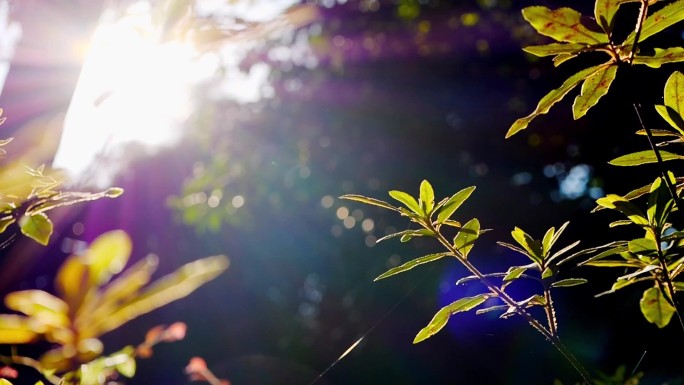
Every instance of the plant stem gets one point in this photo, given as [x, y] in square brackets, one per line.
[670, 292]
[552, 338]
[550, 312]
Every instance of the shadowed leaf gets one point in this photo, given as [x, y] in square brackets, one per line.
[671, 117]
[411, 264]
[466, 237]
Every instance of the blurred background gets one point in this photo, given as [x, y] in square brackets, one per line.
[234, 126]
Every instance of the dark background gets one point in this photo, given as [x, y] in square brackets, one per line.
[300, 288]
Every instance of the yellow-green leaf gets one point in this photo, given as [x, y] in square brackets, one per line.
[167, 289]
[427, 196]
[593, 89]
[552, 98]
[533, 248]
[107, 255]
[661, 56]
[43, 306]
[604, 11]
[569, 282]
[442, 317]
[674, 92]
[643, 157]
[411, 264]
[71, 281]
[563, 24]
[466, 237]
[37, 227]
[370, 201]
[655, 307]
[454, 203]
[16, 329]
[658, 21]
[407, 200]
[672, 117]
[554, 49]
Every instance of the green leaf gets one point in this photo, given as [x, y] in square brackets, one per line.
[658, 21]
[660, 57]
[643, 157]
[674, 92]
[407, 235]
[554, 49]
[370, 201]
[660, 203]
[624, 206]
[16, 329]
[427, 197]
[4, 381]
[552, 98]
[107, 255]
[547, 241]
[113, 192]
[411, 264]
[514, 272]
[655, 307]
[37, 227]
[167, 289]
[642, 246]
[593, 89]
[407, 200]
[671, 117]
[563, 24]
[466, 237]
[5, 222]
[562, 58]
[42, 306]
[604, 11]
[533, 249]
[454, 203]
[569, 282]
[442, 317]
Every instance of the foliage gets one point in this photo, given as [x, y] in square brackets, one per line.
[95, 295]
[654, 257]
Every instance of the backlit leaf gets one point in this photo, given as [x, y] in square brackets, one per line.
[442, 317]
[407, 233]
[407, 200]
[604, 11]
[671, 117]
[563, 24]
[562, 58]
[16, 329]
[514, 272]
[659, 20]
[595, 87]
[45, 307]
[427, 196]
[107, 255]
[167, 289]
[569, 282]
[554, 49]
[71, 281]
[546, 241]
[643, 157]
[655, 307]
[466, 237]
[411, 264]
[37, 227]
[674, 91]
[661, 56]
[532, 248]
[552, 98]
[454, 203]
[642, 246]
[627, 208]
[370, 201]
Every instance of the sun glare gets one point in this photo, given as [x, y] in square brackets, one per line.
[131, 89]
